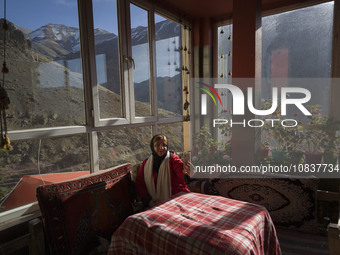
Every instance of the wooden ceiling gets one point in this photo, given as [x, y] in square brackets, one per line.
[218, 8]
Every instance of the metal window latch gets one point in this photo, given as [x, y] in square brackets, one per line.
[133, 63]
[130, 60]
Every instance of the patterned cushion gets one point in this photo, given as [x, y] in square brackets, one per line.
[75, 212]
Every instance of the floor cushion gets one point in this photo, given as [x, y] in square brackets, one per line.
[77, 212]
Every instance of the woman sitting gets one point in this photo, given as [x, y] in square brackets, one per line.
[161, 175]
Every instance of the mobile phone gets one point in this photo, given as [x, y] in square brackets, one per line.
[186, 157]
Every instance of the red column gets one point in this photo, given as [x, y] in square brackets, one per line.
[247, 37]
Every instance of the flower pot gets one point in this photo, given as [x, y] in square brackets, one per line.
[329, 158]
[295, 156]
[278, 156]
[264, 152]
[313, 157]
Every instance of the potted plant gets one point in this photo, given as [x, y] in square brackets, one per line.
[208, 151]
[331, 141]
[337, 145]
[265, 150]
[295, 137]
[315, 136]
[274, 134]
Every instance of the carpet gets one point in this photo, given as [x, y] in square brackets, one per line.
[290, 202]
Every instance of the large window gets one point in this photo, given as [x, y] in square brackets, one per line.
[224, 65]
[141, 60]
[297, 45]
[296, 52]
[45, 82]
[84, 91]
[106, 39]
[169, 67]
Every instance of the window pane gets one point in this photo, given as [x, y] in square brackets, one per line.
[169, 67]
[174, 134]
[44, 83]
[124, 145]
[298, 44]
[224, 66]
[297, 52]
[224, 75]
[107, 58]
[32, 162]
[140, 55]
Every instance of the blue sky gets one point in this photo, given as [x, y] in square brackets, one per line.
[33, 14]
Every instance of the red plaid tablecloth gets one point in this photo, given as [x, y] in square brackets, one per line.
[194, 223]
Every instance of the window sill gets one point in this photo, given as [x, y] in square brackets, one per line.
[19, 215]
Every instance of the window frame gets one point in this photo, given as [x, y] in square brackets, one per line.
[93, 122]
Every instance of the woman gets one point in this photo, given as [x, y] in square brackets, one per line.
[161, 175]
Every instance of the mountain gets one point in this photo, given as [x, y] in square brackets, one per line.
[16, 39]
[101, 35]
[26, 31]
[62, 44]
[57, 41]
[163, 30]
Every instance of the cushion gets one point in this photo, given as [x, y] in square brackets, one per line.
[77, 211]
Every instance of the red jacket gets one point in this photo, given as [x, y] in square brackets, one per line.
[176, 174]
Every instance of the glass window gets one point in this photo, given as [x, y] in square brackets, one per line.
[36, 162]
[224, 61]
[44, 83]
[107, 58]
[224, 76]
[224, 66]
[124, 145]
[169, 67]
[141, 60]
[298, 45]
[297, 52]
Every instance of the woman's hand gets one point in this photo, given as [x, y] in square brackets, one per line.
[186, 167]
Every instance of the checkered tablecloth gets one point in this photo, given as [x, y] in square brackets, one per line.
[194, 223]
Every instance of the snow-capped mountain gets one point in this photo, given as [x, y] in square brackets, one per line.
[67, 37]
[55, 36]
[55, 40]
[62, 44]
